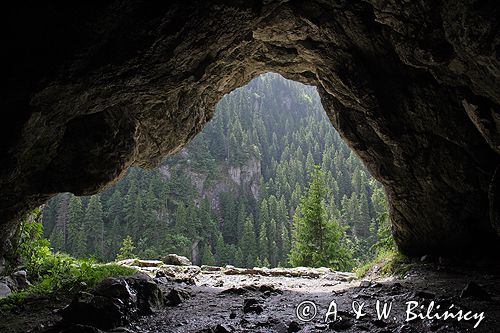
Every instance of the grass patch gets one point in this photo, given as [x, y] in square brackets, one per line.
[386, 263]
[61, 274]
[53, 273]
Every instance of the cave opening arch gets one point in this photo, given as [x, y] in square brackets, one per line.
[417, 105]
[255, 158]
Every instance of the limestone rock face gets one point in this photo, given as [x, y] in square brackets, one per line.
[412, 86]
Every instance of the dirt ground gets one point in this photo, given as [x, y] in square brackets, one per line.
[221, 301]
[243, 303]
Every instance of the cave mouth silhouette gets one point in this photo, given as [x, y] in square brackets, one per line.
[215, 166]
[96, 88]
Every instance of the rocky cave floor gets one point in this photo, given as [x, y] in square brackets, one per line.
[229, 299]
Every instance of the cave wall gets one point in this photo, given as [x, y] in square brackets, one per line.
[412, 86]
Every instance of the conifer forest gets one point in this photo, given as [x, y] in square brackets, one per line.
[241, 193]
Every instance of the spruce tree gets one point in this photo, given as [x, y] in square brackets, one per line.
[127, 249]
[207, 257]
[248, 244]
[317, 241]
[75, 225]
[94, 227]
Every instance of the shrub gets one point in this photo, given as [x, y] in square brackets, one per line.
[51, 272]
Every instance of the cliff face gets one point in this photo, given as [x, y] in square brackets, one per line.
[226, 178]
[412, 86]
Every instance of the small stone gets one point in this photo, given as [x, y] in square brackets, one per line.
[185, 280]
[10, 282]
[341, 325]
[207, 268]
[364, 284]
[148, 263]
[293, 327]
[232, 315]
[252, 305]
[235, 291]
[269, 288]
[321, 326]
[162, 280]
[222, 328]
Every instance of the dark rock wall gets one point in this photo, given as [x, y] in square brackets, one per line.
[412, 86]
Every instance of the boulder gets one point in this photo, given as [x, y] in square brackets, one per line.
[96, 311]
[115, 288]
[2, 265]
[207, 268]
[4, 290]
[149, 295]
[21, 279]
[174, 259]
[10, 282]
[148, 263]
[176, 297]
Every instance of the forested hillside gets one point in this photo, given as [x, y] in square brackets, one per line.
[229, 197]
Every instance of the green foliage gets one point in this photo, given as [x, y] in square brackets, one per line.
[249, 244]
[257, 148]
[207, 257]
[385, 241]
[387, 260]
[30, 246]
[317, 240]
[60, 273]
[127, 249]
[50, 272]
[12, 301]
[386, 263]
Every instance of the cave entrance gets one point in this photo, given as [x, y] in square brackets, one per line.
[231, 195]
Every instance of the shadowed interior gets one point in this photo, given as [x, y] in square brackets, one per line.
[412, 87]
